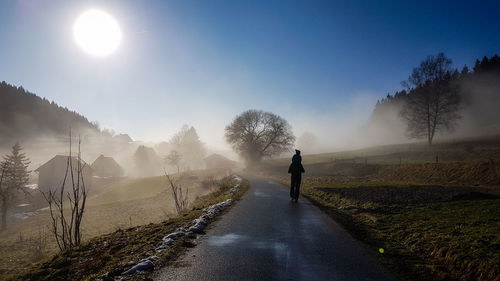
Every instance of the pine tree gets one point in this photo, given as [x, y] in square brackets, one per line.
[13, 178]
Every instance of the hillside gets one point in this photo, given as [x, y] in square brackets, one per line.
[479, 91]
[424, 219]
[128, 203]
[26, 116]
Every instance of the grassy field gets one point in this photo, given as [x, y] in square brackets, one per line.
[129, 203]
[424, 220]
[464, 150]
[426, 238]
[114, 252]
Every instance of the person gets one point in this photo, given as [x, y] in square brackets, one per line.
[296, 157]
[296, 169]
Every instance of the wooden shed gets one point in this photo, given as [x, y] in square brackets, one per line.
[106, 167]
[217, 161]
[51, 174]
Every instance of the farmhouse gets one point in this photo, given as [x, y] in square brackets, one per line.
[51, 174]
[217, 161]
[106, 167]
[147, 162]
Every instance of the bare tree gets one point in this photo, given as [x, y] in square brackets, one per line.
[174, 159]
[433, 100]
[14, 176]
[66, 223]
[255, 134]
[180, 199]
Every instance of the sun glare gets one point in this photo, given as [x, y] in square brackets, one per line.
[97, 33]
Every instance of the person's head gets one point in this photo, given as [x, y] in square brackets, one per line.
[297, 151]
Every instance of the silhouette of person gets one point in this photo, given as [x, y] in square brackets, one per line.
[296, 169]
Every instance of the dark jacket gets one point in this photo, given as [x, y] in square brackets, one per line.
[296, 169]
[297, 158]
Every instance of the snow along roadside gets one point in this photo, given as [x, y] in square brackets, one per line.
[197, 226]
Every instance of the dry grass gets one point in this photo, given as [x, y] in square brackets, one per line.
[114, 252]
[436, 221]
[129, 203]
[426, 240]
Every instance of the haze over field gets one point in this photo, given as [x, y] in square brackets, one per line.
[128, 127]
[322, 65]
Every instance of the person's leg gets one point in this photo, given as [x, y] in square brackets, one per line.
[292, 193]
[297, 190]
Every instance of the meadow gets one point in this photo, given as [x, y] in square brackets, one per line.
[107, 256]
[425, 220]
[128, 203]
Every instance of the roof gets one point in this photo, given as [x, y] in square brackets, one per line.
[105, 160]
[219, 159]
[108, 164]
[61, 160]
[149, 152]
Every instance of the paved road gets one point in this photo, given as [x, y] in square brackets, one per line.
[267, 237]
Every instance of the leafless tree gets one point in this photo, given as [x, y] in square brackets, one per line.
[255, 134]
[433, 100]
[66, 223]
[180, 198]
[174, 159]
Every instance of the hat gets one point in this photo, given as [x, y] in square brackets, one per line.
[297, 151]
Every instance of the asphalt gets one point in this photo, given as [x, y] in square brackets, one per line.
[265, 236]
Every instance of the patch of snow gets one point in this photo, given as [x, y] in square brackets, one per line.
[23, 216]
[31, 186]
[197, 226]
[238, 179]
[147, 264]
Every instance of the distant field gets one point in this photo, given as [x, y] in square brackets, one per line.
[435, 221]
[465, 150]
[130, 202]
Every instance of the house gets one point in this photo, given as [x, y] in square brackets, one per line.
[217, 161]
[106, 167]
[51, 174]
[147, 162]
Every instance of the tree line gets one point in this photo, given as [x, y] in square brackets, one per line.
[434, 94]
[24, 115]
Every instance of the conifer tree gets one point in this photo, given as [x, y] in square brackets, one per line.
[14, 176]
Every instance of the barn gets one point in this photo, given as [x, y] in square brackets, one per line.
[106, 167]
[51, 174]
[147, 162]
[217, 161]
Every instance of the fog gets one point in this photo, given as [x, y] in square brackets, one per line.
[480, 108]
[348, 125]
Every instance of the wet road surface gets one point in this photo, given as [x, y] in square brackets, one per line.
[267, 237]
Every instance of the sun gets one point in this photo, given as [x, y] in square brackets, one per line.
[97, 33]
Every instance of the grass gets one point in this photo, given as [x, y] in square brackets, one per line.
[113, 253]
[463, 150]
[461, 236]
[435, 221]
[452, 240]
[130, 189]
[125, 204]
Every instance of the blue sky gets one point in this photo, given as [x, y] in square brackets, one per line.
[320, 64]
